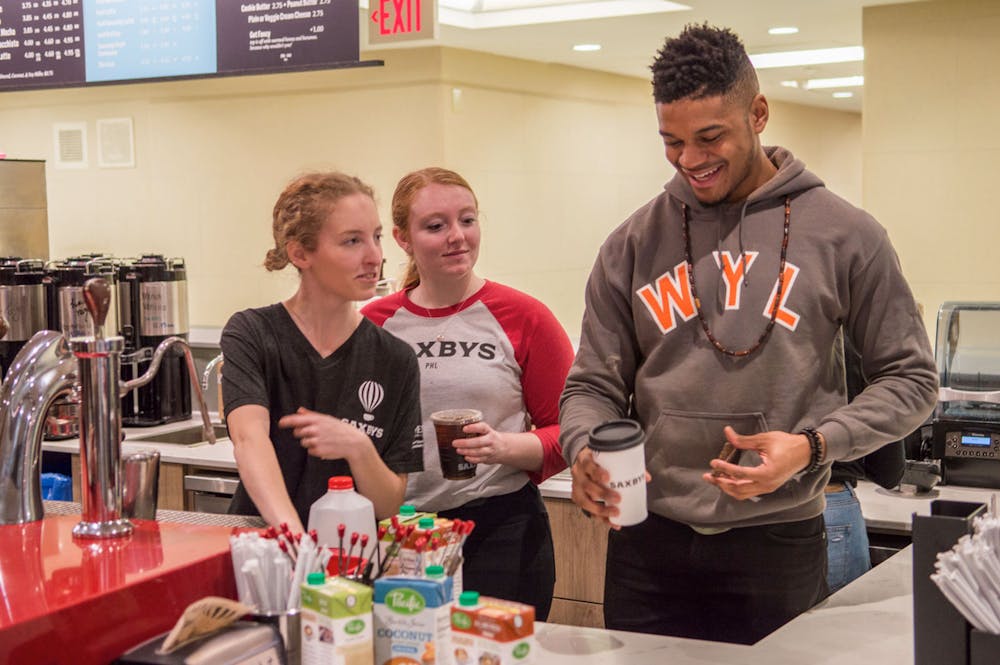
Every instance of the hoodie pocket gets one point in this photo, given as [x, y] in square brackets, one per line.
[691, 439]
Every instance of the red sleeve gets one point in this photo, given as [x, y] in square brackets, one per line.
[377, 311]
[544, 353]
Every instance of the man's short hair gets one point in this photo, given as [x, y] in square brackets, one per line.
[703, 61]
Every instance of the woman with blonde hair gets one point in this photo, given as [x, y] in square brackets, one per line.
[311, 388]
[485, 346]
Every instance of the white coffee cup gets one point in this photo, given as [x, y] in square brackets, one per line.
[618, 446]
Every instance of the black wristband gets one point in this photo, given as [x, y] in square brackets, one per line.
[815, 449]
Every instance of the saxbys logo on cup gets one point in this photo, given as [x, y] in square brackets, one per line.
[618, 447]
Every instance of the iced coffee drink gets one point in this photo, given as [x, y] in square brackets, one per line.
[448, 427]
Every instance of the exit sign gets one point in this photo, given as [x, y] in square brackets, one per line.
[401, 20]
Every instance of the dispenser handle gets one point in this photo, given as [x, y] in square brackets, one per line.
[154, 366]
[97, 297]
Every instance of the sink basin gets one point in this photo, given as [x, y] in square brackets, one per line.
[189, 436]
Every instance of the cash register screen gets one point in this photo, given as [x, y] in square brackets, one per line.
[976, 440]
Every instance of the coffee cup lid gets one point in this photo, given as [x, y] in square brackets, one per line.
[616, 435]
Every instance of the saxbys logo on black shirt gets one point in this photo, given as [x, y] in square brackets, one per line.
[370, 394]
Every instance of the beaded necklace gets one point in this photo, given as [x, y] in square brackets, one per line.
[777, 297]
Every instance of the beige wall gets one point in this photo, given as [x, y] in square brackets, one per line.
[559, 156]
[932, 143]
[828, 141]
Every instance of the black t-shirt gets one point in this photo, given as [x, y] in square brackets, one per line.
[372, 382]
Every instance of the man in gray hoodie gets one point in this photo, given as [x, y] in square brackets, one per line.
[714, 315]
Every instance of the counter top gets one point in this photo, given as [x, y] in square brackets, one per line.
[214, 456]
[888, 511]
[87, 600]
[891, 511]
[868, 621]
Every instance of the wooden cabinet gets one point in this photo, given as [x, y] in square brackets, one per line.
[581, 545]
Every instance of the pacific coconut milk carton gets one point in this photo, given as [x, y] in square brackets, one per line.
[491, 631]
[413, 619]
[336, 618]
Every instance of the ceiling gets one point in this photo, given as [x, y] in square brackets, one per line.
[628, 43]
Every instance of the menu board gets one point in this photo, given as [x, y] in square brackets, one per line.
[55, 43]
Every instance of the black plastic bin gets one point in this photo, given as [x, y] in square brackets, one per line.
[941, 635]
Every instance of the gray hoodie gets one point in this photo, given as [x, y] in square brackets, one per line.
[643, 353]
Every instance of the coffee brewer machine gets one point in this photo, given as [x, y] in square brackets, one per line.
[153, 305]
[22, 305]
[67, 313]
[966, 426]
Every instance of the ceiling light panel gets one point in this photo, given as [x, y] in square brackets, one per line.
[477, 14]
[841, 82]
[810, 57]
[785, 30]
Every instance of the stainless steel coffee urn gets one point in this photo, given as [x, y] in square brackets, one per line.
[22, 305]
[67, 309]
[153, 305]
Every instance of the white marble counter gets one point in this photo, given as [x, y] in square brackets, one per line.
[868, 621]
[559, 486]
[213, 456]
[892, 511]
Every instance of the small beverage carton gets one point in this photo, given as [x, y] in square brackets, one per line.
[409, 561]
[337, 625]
[412, 619]
[490, 631]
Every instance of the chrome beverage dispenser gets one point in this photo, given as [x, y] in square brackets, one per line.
[67, 313]
[153, 305]
[22, 305]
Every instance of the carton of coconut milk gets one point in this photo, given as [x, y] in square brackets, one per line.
[413, 619]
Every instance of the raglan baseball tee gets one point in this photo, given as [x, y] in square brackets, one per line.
[501, 352]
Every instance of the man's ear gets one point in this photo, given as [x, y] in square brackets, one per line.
[759, 113]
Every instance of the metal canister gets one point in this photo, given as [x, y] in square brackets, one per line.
[67, 312]
[22, 305]
[153, 301]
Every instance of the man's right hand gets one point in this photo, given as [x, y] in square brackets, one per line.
[590, 488]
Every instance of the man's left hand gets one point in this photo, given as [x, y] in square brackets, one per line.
[782, 456]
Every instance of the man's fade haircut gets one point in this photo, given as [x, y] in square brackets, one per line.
[703, 61]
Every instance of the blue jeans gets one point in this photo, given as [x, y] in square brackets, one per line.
[846, 539]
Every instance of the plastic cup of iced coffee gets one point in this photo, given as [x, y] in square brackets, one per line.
[448, 426]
